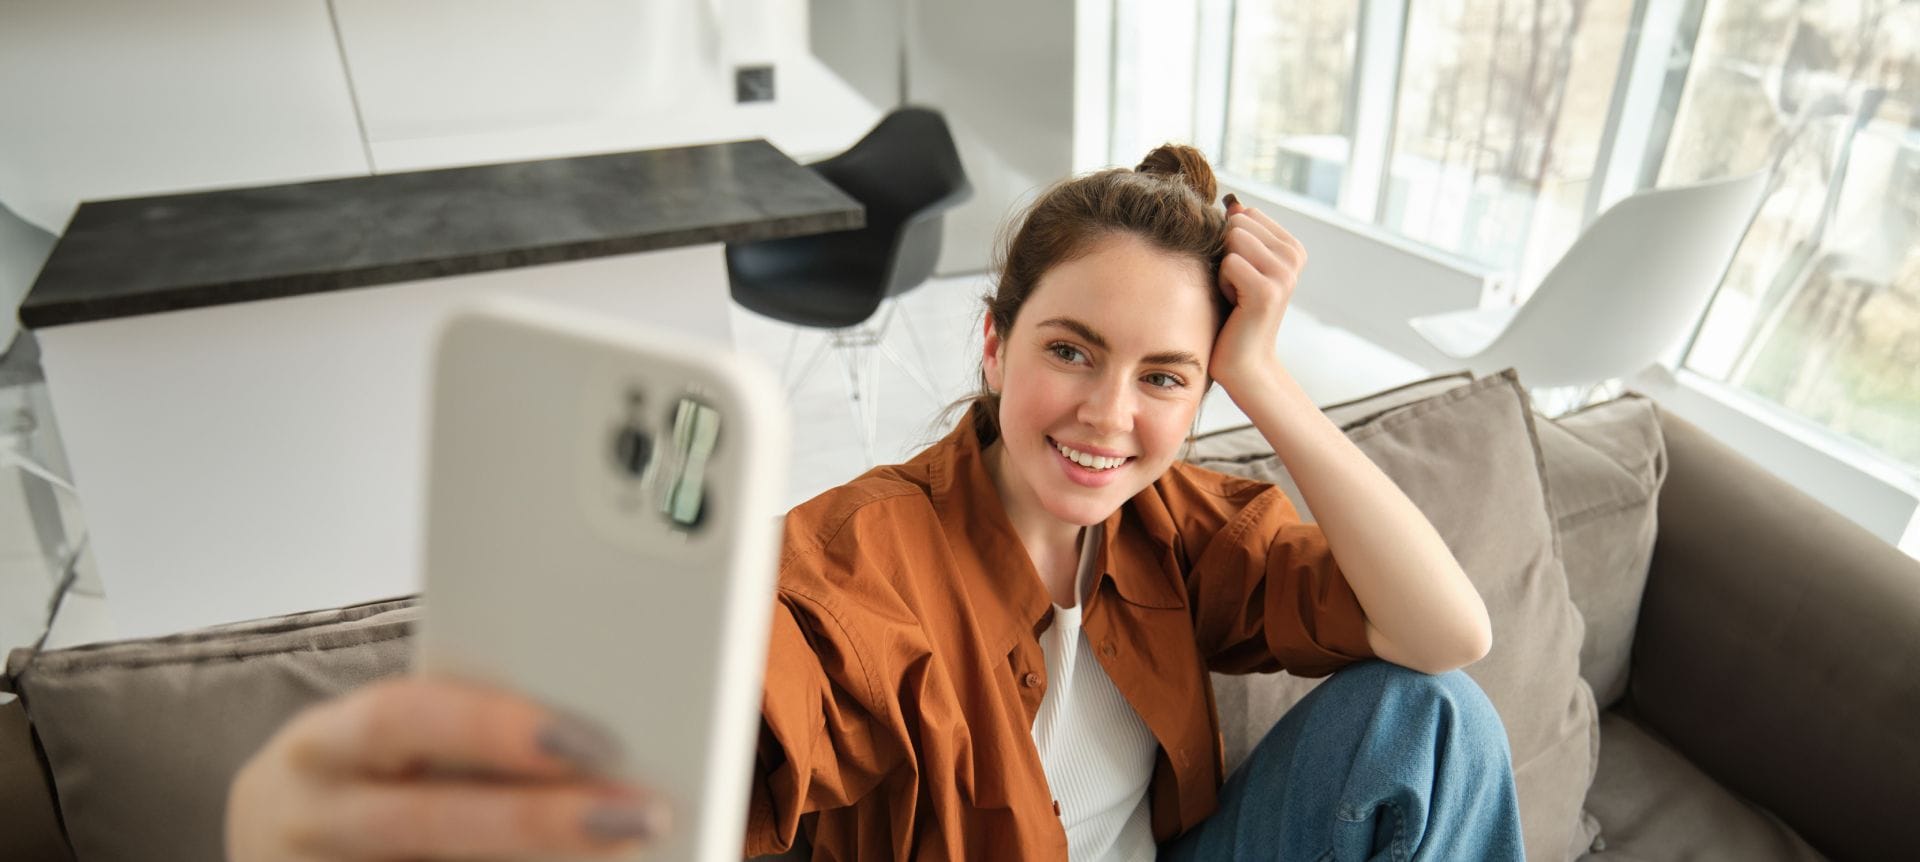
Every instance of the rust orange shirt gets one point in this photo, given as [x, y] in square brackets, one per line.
[905, 666]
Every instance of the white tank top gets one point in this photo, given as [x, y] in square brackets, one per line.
[1097, 753]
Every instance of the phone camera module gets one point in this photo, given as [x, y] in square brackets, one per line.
[633, 450]
[696, 434]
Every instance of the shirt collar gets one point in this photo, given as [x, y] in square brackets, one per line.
[1010, 598]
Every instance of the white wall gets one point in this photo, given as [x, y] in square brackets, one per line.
[860, 40]
[1003, 73]
[453, 82]
[114, 98]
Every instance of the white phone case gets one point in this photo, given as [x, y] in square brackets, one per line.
[553, 570]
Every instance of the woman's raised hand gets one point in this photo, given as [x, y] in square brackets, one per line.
[1258, 274]
[422, 767]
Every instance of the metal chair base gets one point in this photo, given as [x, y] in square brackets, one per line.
[857, 346]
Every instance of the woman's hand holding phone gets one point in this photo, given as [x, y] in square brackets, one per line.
[1261, 268]
[429, 767]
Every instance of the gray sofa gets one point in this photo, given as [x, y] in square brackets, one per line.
[1692, 659]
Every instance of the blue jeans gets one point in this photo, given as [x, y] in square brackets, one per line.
[1378, 762]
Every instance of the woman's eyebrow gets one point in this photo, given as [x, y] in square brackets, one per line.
[1077, 328]
[1165, 357]
[1172, 357]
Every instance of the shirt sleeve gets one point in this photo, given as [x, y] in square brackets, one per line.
[831, 728]
[1265, 591]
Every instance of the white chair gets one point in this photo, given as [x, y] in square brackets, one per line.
[1631, 286]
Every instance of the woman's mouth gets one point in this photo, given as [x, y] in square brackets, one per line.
[1086, 468]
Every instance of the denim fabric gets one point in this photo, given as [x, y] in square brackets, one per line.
[1379, 762]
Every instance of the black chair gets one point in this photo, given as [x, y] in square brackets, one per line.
[907, 174]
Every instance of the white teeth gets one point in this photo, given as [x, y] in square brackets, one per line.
[1092, 462]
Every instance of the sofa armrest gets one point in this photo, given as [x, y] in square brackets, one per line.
[1778, 648]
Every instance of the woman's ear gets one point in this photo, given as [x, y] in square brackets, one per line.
[993, 355]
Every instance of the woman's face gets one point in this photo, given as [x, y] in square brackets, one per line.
[1100, 378]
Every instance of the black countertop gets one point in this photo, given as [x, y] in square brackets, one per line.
[120, 258]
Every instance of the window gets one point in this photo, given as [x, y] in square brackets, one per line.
[1494, 129]
[1820, 311]
[1156, 83]
[1502, 108]
[1288, 120]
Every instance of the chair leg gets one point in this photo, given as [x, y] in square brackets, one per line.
[870, 396]
[859, 396]
[786, 365]
[913, 335]
[890, 308]
[918, 378]
[826, 344]
[858, 349]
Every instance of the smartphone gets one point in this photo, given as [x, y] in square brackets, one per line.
[600, 536]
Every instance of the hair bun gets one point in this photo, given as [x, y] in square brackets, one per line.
[1184, 163]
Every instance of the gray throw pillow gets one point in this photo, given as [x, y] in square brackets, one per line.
[1605, 466]
[142, 737]
[1468, 458]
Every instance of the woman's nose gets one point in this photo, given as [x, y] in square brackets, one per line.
[1108, 408]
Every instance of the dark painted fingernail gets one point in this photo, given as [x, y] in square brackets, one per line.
[579, 742]
[1231, 201]
[626, 822]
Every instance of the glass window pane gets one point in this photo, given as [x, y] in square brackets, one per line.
[1153, 76]
[1288, 94]
[1501, 113]
[1820, 310]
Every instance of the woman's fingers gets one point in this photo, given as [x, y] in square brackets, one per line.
[476, 820]
[417, 724]
[1282, 233]
[425, 767]
[1270, 235]
[1258, 252]
[1234, 272]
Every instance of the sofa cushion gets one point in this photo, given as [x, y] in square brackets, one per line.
[1605, 465]
[143, 737]
[1468, 458]
[1654, 805]
[1243, 444]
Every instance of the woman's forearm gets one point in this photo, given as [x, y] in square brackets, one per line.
[1422, 612]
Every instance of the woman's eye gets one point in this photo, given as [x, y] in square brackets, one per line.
[1163, 380]
[1066, 352]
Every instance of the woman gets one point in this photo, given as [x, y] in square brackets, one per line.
[999, 650]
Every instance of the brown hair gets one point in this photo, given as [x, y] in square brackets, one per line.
[1168, 200]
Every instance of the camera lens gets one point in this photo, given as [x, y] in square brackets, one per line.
[633, 450]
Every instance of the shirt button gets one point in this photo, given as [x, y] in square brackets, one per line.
[1056, 808]
[1107, 649]
[1031, 680]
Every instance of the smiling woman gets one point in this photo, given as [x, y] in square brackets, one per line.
[1098, 383]
[1000, 649]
